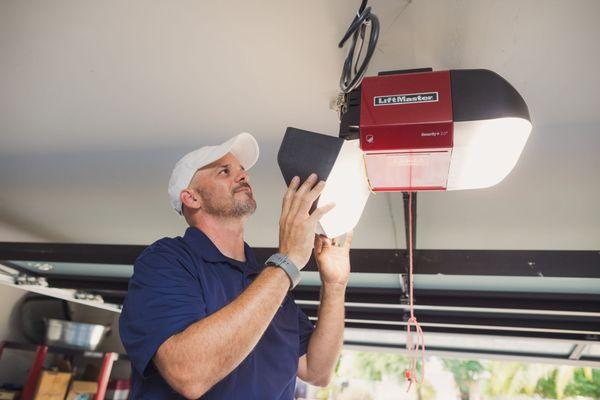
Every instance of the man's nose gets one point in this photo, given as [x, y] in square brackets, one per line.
[242, 176]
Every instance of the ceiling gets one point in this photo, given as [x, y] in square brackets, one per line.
[99, 99]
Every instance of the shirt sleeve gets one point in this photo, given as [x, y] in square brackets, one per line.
[305, 330]
[164, 297]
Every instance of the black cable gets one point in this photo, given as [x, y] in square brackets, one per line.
[349, 80]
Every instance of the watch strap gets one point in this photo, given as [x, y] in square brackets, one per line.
[283, 262]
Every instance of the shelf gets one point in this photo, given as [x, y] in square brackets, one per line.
[41, 351]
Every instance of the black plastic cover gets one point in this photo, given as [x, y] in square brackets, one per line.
[303, 152]
[479, 94]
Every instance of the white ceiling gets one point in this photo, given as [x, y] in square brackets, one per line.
[99, 99]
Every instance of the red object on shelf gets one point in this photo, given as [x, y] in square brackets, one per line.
[34, 372]
[42, 351]
[118, 389]
[107, 364]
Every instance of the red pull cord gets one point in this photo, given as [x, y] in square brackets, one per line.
[413, 347]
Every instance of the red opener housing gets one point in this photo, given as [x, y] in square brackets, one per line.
[406, 130]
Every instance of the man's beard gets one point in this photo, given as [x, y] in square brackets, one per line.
[235, 208]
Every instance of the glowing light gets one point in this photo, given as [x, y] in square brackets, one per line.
[347, 187]
[485, 152]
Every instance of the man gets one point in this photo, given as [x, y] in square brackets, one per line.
[203, 319]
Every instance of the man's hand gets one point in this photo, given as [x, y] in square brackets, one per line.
[325, 344]
[333, 259]
[296, 225]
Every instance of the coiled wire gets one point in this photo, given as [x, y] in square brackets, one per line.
[352, 75]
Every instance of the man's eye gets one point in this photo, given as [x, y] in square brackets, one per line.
[226, 171]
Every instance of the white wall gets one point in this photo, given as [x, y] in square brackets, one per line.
[12, 233]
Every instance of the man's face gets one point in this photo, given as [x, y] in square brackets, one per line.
[224, 188]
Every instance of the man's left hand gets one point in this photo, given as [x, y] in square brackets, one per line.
[333, 259]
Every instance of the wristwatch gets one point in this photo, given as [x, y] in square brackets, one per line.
[281, 261]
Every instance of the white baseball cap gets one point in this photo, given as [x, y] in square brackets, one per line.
[243, 146]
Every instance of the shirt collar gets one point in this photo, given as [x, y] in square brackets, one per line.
[208, 251]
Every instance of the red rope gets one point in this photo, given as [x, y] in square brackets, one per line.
[413, 347]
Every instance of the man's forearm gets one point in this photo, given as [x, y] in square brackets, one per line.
[327, 339]
[204, 353]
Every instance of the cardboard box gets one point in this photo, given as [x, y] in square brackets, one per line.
[9, 394]
[82, 390]
[52, 385]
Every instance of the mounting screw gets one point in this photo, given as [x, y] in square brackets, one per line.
[531, 263]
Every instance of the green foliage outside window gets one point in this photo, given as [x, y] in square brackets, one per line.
[496, 379]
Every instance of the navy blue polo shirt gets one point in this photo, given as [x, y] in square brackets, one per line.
[178, 281]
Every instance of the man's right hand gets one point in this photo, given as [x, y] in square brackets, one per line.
[296, 225]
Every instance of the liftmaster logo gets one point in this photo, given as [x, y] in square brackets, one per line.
[412, 98]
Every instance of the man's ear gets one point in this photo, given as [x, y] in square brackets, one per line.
[190, 198]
